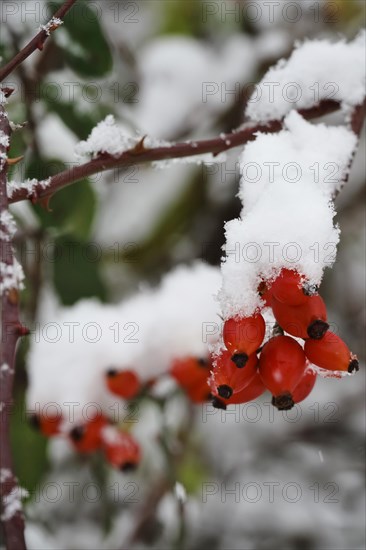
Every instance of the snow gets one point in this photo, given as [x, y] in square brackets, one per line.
[3, 99]
[72, 348]
[301, 154]
[12, 276]
[287, 216]
[4, 139]
[52, 25]
[29, 185]
[9, 226]
[108, 138]
[5, 474]
[316, 70]
[180, 493]
[4, 368]
[12, 503]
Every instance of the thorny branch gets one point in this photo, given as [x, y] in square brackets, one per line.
[11, 330]
[140, 154]
[37, 42]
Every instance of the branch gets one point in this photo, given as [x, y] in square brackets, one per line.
[11, 328]
[37, 42]
[356, 123]
[139, 154]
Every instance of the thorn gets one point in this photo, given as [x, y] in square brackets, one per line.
[14, 126]
[22, 330]
[15, 160]
[7, 91]
[13, 296]
[45, 203]
[139, 147]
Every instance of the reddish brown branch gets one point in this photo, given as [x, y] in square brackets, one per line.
[36, 42]
[177, 150]
[12, 518]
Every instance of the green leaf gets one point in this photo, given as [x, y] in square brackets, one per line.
[72, 209]
[76, 270]
[88, 52]
[27, 442]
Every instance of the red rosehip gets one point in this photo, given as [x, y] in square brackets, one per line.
[192, 373]
[226, 379]
[48, 425]
[305, 386]
[243, 336]
[288, 288]
[309, 320]
[254, 389]
[331, 353]
[120, 449]
[265, 292]
[281, 366]
[87, 437]
[124, 383]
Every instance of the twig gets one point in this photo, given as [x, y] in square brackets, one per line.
[11, 329]
[36, 43]
[356, 123]
[177, 150]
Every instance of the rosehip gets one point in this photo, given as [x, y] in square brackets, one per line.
[331, 353]
[226, 379]
[87, 437]
[254, 389]
[281, 365]
[306, 321]
[120, 449]
[305, 386]
[288, 288]
[47, 424]
[265, 293]
[191, 373]
[243, 336]
[124, 383]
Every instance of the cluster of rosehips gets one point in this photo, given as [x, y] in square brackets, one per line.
[247, 368]
[244, 370]
[119, 447]
[239, 373]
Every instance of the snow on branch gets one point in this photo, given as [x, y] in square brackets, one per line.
[317, 70]
[149, 150]
[38, 41]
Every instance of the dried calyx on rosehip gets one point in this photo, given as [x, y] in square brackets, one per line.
[254, 389]
[226, 379]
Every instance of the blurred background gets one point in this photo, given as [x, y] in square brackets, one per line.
[255, 478]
